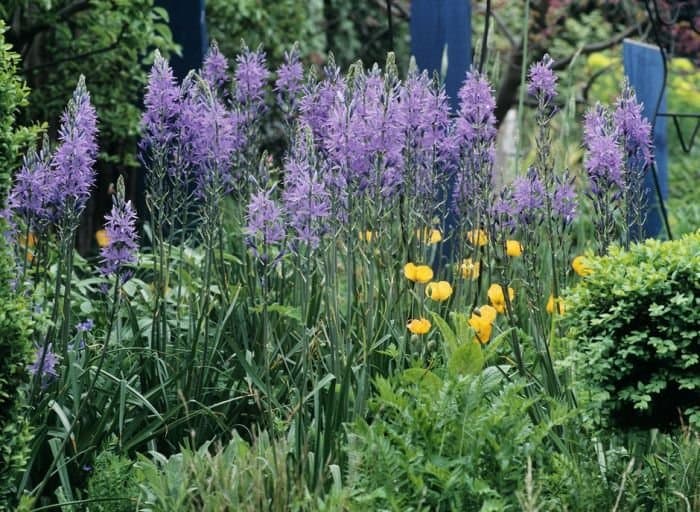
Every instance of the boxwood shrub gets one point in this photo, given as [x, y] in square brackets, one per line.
[635, 321]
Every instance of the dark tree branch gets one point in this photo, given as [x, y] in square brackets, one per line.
[84, 55]
[28, 34]
[594, 47]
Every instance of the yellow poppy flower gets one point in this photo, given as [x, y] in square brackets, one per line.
[496, 298]
[429, 236]
[366, 236]
[488, 313]
[439, 291]
[101, 237]
[514, 248]
[470, 269]
[478, 237]
[482, 328]
[580, 267]
[419, 325]
[418, 273]
[560, 305]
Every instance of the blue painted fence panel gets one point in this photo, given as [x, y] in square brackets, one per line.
[645, 72]
[434, 25]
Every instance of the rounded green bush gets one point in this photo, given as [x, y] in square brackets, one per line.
[635, 320]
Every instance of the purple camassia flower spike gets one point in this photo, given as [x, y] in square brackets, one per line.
[365, 138]
[542, 82]
[161, 118]
[122, 246]
[44, 365]
[305, 196]
[265, 225]
[604, 165]
[72, 165]
[475, 135]
[250, 77]
[30, 192]
[210, 135]
[290, 74]
[634, 135]
[318, 100]
[424, 114]
[215, 68]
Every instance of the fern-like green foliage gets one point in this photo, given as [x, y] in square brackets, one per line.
[114, 483]
[15, 326]
[635, 321]
[463, 446]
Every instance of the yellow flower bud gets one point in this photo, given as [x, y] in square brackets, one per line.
[438, 291]
[429, 236]
[419, 325]
[418, 273]
[478, 237]
[514, 248]
[488, 313]
[101, 237]
[580, 267]
[482, 328]
[560, 305]
[496, 298]
[366, 236]
[470, 269]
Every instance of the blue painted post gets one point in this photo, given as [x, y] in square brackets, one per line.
[187, 23]
[645, 72]
[434, 25]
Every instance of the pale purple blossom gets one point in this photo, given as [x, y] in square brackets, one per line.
[44, 364]
[162, 106]
[85, 326]
[215, 68]
[564, 200]
[250, 77]
[290, 75]
[210, 136]
[604, 158]
[265, 225]
[318, 100]
[73, 161]
[305, 196]
[122, 245]
[542, 81]
[475, 135]
[30, 192]
[424, 114]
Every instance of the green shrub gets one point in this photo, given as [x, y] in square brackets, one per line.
[114, 484]
[635, 321]
[15, 327]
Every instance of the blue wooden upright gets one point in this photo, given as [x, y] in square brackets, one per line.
[645, 71]
[187, 23]
[436, 26]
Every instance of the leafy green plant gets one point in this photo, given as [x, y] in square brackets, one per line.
[235, 477]
[458, 444]
[114, 484]
[634, 320]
